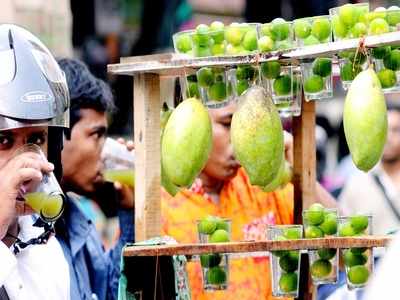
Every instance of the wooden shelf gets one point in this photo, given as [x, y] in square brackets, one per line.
[174, 64]
[191, 249]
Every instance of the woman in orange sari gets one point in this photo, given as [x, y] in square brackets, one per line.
[223, 189]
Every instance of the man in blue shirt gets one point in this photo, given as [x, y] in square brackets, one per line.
[94, 273]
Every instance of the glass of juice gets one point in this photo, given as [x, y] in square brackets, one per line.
[359, 262]
[285, 264]
[46, 197]
[215, 266]
[319, 223]
[119, 163]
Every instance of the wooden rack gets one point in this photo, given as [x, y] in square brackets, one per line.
[148, 72]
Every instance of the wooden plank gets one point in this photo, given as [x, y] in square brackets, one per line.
[304, 177]
[173, 64]
[304, 159]
[147, 109]
[251, 246]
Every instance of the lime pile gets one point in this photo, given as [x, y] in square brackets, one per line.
[288, 261]
[241, 38]
[388, 60]
[212, 83]
[356, 259]
[351, 64]
[311, 31]
[277, 35]
[320, 222]
[246, 76]
[216, 230]
[282, 79]
[208, 40]
[349, 21]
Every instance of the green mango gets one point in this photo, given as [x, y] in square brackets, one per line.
[284, 177]
[171, 188]
[186, 142]
[365, 120]
[257, 136]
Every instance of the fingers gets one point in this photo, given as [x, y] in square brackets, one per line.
[130, 145]
[22, 209]
[28, 174]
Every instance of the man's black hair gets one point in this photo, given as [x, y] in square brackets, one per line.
[86, 91]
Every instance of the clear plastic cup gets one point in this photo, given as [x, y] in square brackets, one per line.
[46, 197]
[386, 65]
[208, 42]
[118, 163]
[183, 42]
[284, 85]
[213, 85]
[215, 266]
[241, 38]
[359, 262]
[317, 78]
[323, 262]
[243, 77]
[285, 264]
[276, 35]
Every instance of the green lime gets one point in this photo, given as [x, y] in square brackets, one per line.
[207, 226]
[288, 282]
[202, 37]
[210, 260]
[315, 214]
[217, 91]
[346, 230]
[387, 78]
[302, 28]
[313, 232]
[311, 40]
[234, 35]
[350, 259]
[282, 85]
[246, 72]
[280, 253]
[378, 26]
[393, 15]
[380, 12]
[280, 29]
[242, 86]
[235, 50]
[183, 43]
[358, 275]
[322, 66]
[327, 253]
[292, 233]
[348, 72]
[193, 90]
[380, 52]
[265, 44]
[359, 223]
[321, 268]
[205, 77]
[250, 40]
[216, 275]
[321, 28]
[392, 60]
[217, 25]
[201, 51]
[359, 30]
[357, 57]
[348, 15]
[289, 263]
[358, 250]
[222, 224]
[218, 49]
[330, 225]
[266, 30]
[339, 28]
[219, 236]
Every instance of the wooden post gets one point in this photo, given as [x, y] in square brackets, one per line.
[147, 109]
[304, 178]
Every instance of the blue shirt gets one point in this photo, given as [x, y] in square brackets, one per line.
[94, 273]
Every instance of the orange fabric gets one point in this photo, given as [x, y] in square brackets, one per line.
[250, 210]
